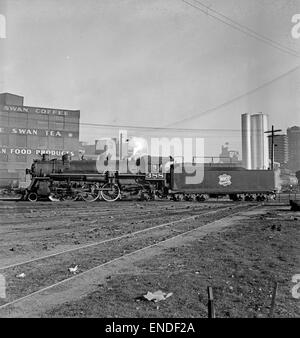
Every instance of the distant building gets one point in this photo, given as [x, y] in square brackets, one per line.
[298, 176]
[86, 149]
[100, 146]
[113, 146]
[27, 132]
[255, 152]
[293, 135]
[107, 145]
[281, 154]
[228, 156]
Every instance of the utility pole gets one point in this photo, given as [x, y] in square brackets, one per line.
[272, 132]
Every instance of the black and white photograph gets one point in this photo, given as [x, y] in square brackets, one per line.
[150, 162]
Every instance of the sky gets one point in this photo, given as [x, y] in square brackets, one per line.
[155, 63]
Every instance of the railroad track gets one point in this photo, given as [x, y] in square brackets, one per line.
[46, 272]
[100, 226]
[117, 238]
[26, 207]
[84, 211]
[92, 216]
[28, 238]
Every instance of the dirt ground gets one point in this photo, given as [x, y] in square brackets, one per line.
[240, 261]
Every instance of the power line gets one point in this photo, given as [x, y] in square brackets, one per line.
[247, 28]
[102, 125]
[224, 104]
[238, 27]
[158, 128]
[259, 37]
[113, 126]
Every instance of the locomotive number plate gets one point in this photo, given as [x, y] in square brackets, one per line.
[154, 176]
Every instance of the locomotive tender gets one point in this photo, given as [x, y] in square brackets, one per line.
[147, 176]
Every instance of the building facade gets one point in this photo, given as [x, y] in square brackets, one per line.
[28, 132]
[281, 154]
[293, 135]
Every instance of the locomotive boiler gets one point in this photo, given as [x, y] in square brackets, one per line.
[92, 179]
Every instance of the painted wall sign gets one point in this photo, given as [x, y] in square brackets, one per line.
[43, 111]
[38, 132]
[26, 151]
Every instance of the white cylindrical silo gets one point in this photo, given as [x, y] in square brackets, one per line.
[259, 141]
[266, 158]
[246, 141]
[254, 142]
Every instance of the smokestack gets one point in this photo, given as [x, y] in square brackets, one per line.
[246, 141]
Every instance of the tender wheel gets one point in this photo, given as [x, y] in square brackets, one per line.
[200, 198]
[32, 197]
[112, 193]
[174, 198]
[90, 194]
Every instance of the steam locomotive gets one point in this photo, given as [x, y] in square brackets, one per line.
[148, 177]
